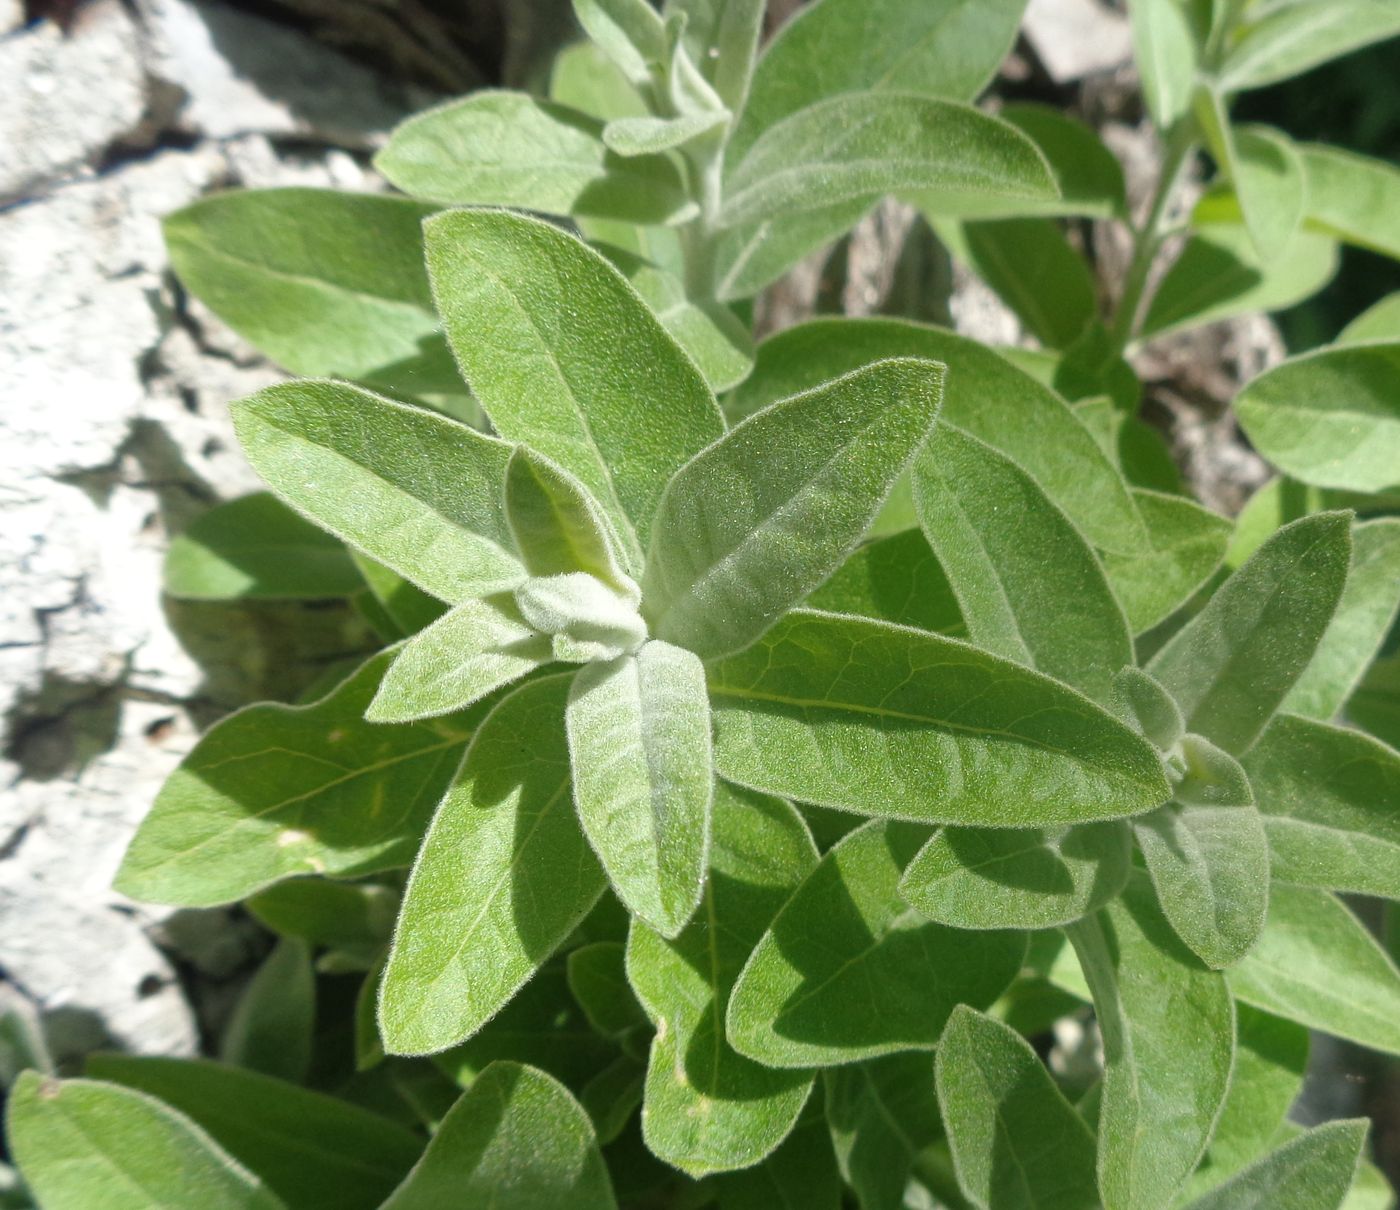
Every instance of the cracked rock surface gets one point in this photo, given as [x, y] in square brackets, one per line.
[113, 436]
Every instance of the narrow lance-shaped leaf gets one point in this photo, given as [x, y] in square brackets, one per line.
[757, 521]
[1027, 583]
[1027, 878]
[1317, 964]
[1148, 708]
[1312, 1172]
[847, 971]
[707, 1107]
[510, 149]
[523, 304]
[1330, 798]
[1236, 660]
[1380, 321]
[504, 875]
[417, 491]
[314, 1151]
[722, 38]
[639, 746]
[1331, 417]
[272, 1027]
[273, 791]
[886, 141]
[1208, 856]
[629, 32]
[322, 281]
[1368, 608]
[883, 720]
[1017, 1144]
[468, 653]
[516, 1140]
[841, 46]
[986, 395]
[1165, 52]
[1353, 198]
[81, 1143]
[895, 579]
[1286, 40]
[1168, 1036]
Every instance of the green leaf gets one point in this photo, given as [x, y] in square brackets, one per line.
[1288, 39]
[1236, 660]
[408, 607]
[516, 1140]
[1165, 52]
[504, 875]
[883, 1113]
[1219, 275]
[322, 281]
[524, 305]
[639, 745]
[707, 1107]
[597, 975]
[272, 1026]
[753, 255]
[80, 1144]
[1033, 269]
[1316, 964]
[1016, 1142]
[1026, 581]
[651, 136]
[1185, 546]
[257, 548]
[895, 579]
[1209, 863]
[509, 149]
[22, 1043]
[986, 395]
[335, 914]
[762, 517]
[1353, 197]
[629, 32]
[1364, 617]
[1380, 321]
[889, 141]
[951, 47]
[416, 491]
[274, 791]
[1148, 708]
[1088, 173]
[583, 78]
[1330, 418]
[721, 36]
[1271, 1055]
[847, 971]
[1312, 1172]
[1376, 703]
[1331, 803]
[612, 1096]
[314, 1151]
[887, 721]
[1272, 185]
[1021, 878]
[1168, 1037]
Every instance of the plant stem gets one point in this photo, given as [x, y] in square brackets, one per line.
[1148, 239]
[700, 236]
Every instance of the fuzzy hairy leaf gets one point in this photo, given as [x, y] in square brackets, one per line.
[504, 875]
[597, 975]
[508, 149]
[986, 395]
[1316, 964]
[1017, 878]
[753, 255]
[516, 1140]
[1330, 798]
[707, 1107]
[1168, 1036]
[895, 579]
[847, 971]
[81, 1143]
[1331, 417]
[1266, 170]
[272, 1027]
[887, 721]
[1312, 1172]
[1368, 608]
[1027, 583]
[274, 791]
[1380, 321]
[416, 491]
[1288, 39]
[639, 747]
[467, 654]
[888, 141]
[1165, 52]
[1353, 197]
[1148, 708]
[314, 1151]
[324, 282]
[523, 304]
[759, 519]
[1236, 660]
[799, 1175]
[1017, 1144]
[952, 47]
[629, 32]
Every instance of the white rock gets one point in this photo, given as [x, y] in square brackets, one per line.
[1077, 38]
[66, 98]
